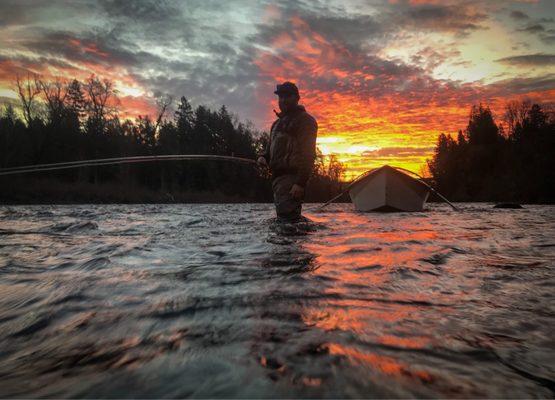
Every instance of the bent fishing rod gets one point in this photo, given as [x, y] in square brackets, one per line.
[178, 157]
[119, 160]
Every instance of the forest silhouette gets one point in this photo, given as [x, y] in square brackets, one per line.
[495, 162]
[69, 121]
[58, 121]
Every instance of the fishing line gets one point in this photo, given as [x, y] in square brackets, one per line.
[177, 157]
[118, 160]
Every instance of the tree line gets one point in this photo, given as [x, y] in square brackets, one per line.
[58, 121]
[491, 161]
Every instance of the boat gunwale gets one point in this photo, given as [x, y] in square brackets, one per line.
[371, 173]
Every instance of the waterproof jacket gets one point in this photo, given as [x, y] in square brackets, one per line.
[292, 147]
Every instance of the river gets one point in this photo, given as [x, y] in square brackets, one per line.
[220, 300]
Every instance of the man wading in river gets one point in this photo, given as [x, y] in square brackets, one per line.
[291, 152]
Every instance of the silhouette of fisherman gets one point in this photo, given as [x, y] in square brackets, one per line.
[291, 153]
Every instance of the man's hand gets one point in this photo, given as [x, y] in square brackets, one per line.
[297, 191]
[262, 161]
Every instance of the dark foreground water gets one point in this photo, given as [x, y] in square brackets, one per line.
[220, 301]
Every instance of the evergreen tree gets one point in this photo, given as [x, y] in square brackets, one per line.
[481, 129]
[184, 120]
[76, 102]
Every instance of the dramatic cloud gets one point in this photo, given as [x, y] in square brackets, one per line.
[549, 37]
[533, 28]
[530, 60]
[519, 15]
[383, 78]
[460, 19]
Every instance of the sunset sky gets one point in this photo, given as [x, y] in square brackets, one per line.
[383, 78]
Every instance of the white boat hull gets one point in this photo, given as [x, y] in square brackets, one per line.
[387, 189]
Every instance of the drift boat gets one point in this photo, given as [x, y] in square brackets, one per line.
[388, 189]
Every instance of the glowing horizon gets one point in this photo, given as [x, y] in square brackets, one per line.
[383, 80]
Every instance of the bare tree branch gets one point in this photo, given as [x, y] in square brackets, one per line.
[163, 102]
[55, 94]
[27, 92]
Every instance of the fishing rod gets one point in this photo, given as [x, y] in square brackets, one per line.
[118, 160]
[177, 157]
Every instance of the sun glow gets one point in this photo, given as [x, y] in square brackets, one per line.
[383, 80]
[130, 91]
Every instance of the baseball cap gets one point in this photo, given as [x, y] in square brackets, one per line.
[287, 87]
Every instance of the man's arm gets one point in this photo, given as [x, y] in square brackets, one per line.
[266, 152]
[307, 143]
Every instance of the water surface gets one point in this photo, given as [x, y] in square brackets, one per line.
[204, 300]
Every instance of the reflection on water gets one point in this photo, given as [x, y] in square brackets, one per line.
[223, 301]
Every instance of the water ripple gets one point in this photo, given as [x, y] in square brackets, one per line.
[208, 300]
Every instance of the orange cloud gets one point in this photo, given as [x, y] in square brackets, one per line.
[88, 47]
[133, 106]
[94, 61]
[369, 102]
[371, 107]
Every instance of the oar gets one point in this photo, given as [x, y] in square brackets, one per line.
[429, 187]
